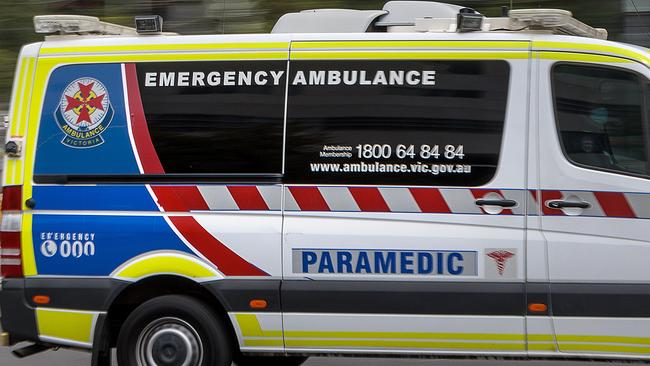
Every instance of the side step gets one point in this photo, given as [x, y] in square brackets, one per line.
[30, 350]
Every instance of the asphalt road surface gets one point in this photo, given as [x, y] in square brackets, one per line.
[74, 358]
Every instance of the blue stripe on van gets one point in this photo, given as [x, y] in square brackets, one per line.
[94, 198]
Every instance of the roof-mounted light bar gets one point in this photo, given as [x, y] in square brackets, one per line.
[558, 20]
[78, 24]
[525, 20]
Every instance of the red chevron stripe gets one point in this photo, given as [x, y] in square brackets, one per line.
[168, 199]
[309, 199]
[615, 204]
[180, 198]
[192, 197]
[143, 144]
[369, 199]
[248, 198]
[227, 261]
[430, 200]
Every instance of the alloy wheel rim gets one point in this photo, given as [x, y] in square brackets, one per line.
[169, 341]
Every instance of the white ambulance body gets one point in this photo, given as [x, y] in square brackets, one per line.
[412, 191]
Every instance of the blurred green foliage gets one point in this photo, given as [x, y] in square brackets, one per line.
[235, 16]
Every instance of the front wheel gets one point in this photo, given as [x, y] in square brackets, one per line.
[173, 330]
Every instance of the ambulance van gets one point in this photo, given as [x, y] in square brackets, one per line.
[419, 180]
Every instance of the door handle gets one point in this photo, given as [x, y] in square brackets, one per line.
[560, 204]
[500, 203]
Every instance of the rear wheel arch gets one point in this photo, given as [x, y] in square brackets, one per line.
[137, 293]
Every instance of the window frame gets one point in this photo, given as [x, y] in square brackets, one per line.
[644, 83]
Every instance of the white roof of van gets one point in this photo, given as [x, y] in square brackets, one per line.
[218, 43]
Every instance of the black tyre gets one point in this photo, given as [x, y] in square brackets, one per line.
[244, 360]
[173, 330]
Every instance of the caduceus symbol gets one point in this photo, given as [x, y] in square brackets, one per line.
[500, 257]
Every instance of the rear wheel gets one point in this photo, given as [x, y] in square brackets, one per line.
[244, 360]
[173, 330]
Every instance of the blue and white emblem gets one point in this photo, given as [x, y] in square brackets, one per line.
[84, 113]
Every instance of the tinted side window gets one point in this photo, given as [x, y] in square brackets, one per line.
[601, 117]
[395, 122]
[215, 117]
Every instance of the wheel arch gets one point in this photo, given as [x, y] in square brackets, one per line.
[129, 298]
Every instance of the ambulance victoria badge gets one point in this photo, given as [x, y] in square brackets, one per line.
[84, 113]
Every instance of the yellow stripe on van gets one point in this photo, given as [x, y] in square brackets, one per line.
[403, 344]
[10, 168]
[250, 327]
[542, 347]
[598, 48]
[540, 338]
[18, 98]
[166, 263]
[264, 342]
[27, 246]
[64, 324]
[407, 335]
[411, 55]
[26, 98]
[583, 57]
[266, 55]
[587, 347]
[39, 82]
[602, 339]
[19, 116]
[17, 166]
[301, 45]
[166, 47]
[254, 335]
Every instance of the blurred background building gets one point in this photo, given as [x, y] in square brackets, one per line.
[626, 20]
